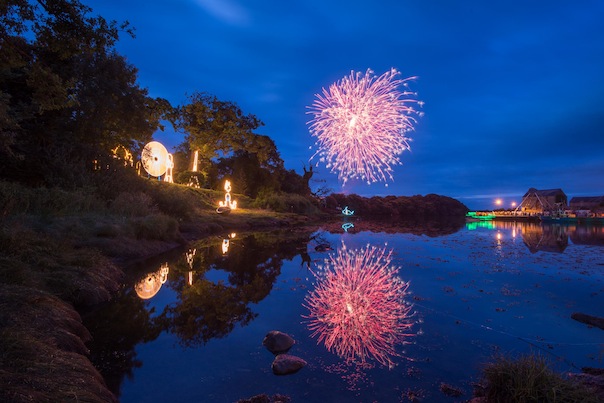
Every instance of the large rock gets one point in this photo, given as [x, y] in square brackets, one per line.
[285, 364]
[588, 319]
[277, 342]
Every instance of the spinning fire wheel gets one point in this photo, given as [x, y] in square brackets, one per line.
[155, 158]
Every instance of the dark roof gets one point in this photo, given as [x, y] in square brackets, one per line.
[545, 192]
[587, 199]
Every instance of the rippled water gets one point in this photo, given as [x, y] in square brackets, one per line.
[189, 326]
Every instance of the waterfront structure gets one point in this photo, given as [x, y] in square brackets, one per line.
[593, 203]
[540, 201]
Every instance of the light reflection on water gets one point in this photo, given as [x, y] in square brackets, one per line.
[505, 288]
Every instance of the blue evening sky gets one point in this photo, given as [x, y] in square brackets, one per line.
[513, 90]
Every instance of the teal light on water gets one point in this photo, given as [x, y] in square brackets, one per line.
[480, 215]
[480, 224]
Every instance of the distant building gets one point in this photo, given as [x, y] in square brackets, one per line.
[538, 201]
[593, 203]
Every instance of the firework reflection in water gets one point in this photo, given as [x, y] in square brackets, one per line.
[360, 124]
[357, 308]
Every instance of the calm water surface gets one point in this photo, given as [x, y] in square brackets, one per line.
[190, 326]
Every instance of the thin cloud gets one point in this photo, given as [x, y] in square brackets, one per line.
[226, 11]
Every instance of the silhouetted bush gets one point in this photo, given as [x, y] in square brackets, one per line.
[156, 226]
[285, 203]
[331, 202]
[530, 379]
[418, 208]
[19, 199]
[133, 204]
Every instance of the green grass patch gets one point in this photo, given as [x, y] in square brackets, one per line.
[19, 199]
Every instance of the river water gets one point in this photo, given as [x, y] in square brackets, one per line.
[435, 306]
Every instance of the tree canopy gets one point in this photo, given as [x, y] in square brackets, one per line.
[66, 96]
[217, 128]
[229, 147]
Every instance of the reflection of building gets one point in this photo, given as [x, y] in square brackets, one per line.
[545, 238]
[149, 286]
[587, 234]
[538, 201]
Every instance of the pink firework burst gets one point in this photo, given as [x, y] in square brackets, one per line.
[361, 123]
[357, 308]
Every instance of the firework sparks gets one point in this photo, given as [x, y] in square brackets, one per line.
[357, 308]
[361, 123]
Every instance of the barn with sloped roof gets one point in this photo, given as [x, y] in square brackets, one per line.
[537, 201]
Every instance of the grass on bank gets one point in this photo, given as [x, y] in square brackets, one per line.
[529, 378]
[42, 351]
[59, 249]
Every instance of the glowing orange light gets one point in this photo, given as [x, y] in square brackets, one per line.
[226, 243]
[120, 152]
[149, 286]
[156, 160]
[169, 167]
[190, 255]
[195, 159]
[232, 204]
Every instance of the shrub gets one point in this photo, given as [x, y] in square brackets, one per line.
[331, 202]
[187, 177]
[529, 379]
[172, 199]
[135, 204]
[155, 226]
[285, 203]
[19, 199]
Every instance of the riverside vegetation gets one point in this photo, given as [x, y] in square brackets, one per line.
[66, 251]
